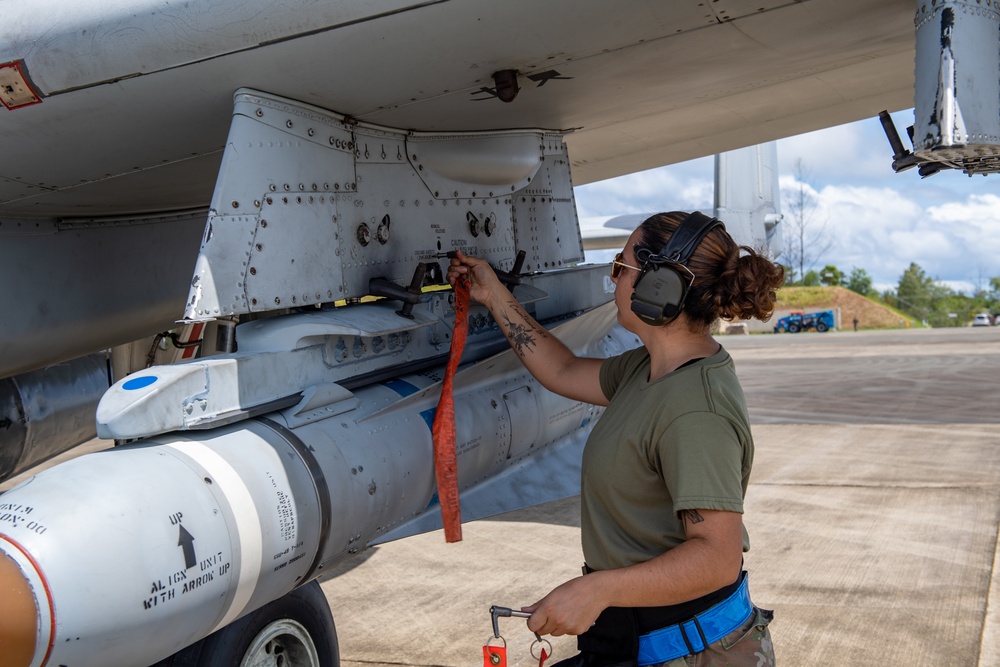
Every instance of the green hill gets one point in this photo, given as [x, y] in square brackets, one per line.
[870, 314]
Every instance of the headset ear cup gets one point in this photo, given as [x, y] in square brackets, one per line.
[658, 294]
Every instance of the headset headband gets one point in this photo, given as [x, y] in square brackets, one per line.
[684, 241]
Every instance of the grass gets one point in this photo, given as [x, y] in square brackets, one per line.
[870, 314]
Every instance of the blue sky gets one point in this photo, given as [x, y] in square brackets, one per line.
[877, 220]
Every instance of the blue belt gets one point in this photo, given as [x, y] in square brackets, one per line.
[695, 635]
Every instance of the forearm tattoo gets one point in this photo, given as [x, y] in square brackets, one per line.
[692, 516]
[521, 336]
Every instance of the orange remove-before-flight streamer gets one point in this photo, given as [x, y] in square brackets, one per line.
[443, 431]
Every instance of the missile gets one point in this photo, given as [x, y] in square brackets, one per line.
[124, 556]
[46, 412]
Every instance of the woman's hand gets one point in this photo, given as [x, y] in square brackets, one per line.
[483, 281]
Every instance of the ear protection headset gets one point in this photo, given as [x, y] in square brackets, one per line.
[664, 280]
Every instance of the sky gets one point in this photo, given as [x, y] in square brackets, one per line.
[875, 219]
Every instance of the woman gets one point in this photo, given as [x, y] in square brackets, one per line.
[666, 467]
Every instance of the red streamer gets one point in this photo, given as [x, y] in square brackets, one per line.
[443, 431]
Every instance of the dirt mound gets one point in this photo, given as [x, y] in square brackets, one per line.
[871, 315]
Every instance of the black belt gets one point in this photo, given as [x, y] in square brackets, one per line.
[613, 640]
[654, 618]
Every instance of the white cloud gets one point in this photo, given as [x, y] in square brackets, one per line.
[882, 231]
[975, 222]
[844, 153]
[858, 223]
[958, 286]
[983, 208]
[678, 187]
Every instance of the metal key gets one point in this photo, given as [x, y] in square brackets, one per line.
[506, 612]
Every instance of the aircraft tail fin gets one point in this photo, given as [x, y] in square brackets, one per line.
[747, 196]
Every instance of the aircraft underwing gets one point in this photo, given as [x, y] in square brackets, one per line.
[278, 186]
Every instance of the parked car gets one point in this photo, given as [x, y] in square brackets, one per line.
[981, 320]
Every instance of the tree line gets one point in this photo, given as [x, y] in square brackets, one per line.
[917, 294]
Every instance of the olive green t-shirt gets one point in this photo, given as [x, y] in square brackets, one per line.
[680, 442]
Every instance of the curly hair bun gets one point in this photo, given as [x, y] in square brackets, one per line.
[749, 290]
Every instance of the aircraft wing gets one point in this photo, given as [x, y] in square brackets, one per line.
[135, 95]
[118, 113]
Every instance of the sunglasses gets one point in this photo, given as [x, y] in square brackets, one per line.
[617, 265]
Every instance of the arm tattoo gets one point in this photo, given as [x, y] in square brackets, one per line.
[520, 336]
[692, 516]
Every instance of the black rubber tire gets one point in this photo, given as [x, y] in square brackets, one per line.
[821, 327]
[793, 328]
[305, 606]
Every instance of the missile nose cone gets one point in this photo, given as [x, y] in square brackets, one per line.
[18, 615]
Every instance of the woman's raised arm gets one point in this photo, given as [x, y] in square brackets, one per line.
[545, 356]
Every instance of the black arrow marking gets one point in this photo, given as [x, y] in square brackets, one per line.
[186, 540]
[541, 78]
[491, 94]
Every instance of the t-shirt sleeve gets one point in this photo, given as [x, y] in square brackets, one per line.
[700, 457]
[614, 369]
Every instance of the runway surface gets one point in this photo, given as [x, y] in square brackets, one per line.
[873, 515]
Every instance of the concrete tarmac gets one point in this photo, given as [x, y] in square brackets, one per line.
[873, 515]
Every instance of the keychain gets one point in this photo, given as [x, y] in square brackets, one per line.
[496, 655]
[543, 655]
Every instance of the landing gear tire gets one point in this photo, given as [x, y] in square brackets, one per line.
[296, 630]
[281, 642]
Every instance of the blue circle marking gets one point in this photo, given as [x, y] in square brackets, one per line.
[139, 383]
